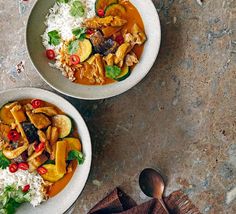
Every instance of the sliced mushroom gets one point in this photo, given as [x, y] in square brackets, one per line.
[49, 111]
[12, 154]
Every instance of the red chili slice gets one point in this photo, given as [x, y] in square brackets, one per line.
[13, 167]
[40, 147]
[50, 54]
[101, 13]
[23, 166]
[89, 31]
[36, 103]
[74, 59]
[41, 170]
[13, 135]
[119, 39]
[26, 188]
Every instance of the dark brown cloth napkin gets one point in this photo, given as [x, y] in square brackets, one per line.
[118, 202]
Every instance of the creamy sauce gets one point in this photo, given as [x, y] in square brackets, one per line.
[61, 184]
[132, 16]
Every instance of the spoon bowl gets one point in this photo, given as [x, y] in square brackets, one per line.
[152, 184]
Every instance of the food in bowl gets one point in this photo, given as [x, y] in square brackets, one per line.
[39, 152]
[94, 42]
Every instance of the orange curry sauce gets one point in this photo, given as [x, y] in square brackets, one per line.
[132, 16]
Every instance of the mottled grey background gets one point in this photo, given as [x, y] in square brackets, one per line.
[180, 118]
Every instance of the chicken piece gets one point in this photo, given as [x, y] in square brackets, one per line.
[100, 65]
[43, 138]
[131, 59]
[121, 53]
[48, 133]
[30, 149]
[109, 31]
[28, 107]
[35, 155]
[54, 135]
[109, 59]
[94, 72]
[98, 23]
[49, 111]
[139, 34]
[40, 121]
[12, 154]
[19, 117]
[37, 162]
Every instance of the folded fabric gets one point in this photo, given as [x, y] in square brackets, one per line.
[118, 202]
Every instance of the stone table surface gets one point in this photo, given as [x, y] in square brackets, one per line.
[181, 118]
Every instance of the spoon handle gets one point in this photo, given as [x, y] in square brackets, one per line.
[163, 205]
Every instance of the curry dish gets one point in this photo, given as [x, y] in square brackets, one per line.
[104, 48]
[38, 138]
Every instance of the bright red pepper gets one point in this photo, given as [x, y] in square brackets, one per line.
[50, 54]
[39, 147]
[23, 166]
[41, 170]
[13, 167]
[26, 188]
[13, 135]
[74, 59]
[101, 13]
[89, 31]
[36, 103]
[120, 39]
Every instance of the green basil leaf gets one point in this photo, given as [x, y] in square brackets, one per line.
[76, 155]
[4, 162]
[77, 9]
[80, 33]
[112, 71]
[73, 47]
[54, 38]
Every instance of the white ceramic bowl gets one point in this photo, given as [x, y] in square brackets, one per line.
[54, 78]
[62, 202]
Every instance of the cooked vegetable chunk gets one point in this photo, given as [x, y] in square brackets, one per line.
[61, 157]
[63, 125]
[40, 121]
[73, 144]
[30, 132]
[52, 174]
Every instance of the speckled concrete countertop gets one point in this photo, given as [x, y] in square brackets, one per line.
[181, 117]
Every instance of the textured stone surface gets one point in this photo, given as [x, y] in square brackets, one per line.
[180, 118]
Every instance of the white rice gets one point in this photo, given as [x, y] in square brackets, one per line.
[59, 19]
[22, 178]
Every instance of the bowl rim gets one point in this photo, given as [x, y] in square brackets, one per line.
[112, 93]
[87, 130]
